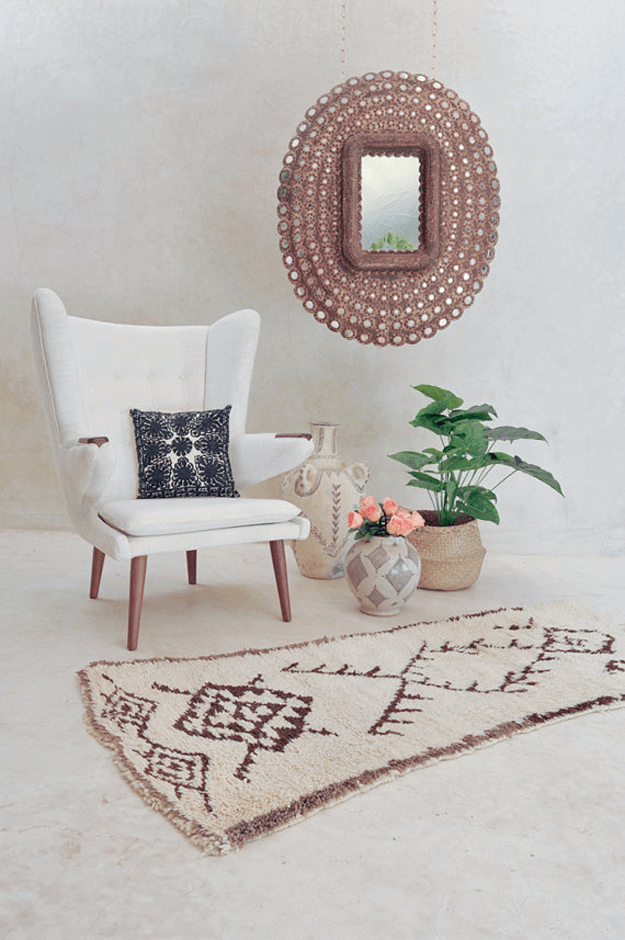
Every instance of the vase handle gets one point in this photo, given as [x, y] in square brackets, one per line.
[359, 474]
[307, 480]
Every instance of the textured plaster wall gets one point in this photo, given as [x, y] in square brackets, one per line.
[140, 150]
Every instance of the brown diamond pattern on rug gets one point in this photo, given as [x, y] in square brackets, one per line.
[179, 770]
[263, 719]
[232, 747]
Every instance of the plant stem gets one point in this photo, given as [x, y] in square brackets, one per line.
[503, 480]
[483, 475]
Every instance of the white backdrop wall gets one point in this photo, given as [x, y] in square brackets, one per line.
[139, 158]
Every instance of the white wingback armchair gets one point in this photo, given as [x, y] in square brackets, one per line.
[91, 374]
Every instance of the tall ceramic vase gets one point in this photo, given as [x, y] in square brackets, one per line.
[325, 489]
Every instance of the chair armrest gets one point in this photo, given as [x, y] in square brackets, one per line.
[258, 457]
[87, 466]
[307, 436]
[98, 441]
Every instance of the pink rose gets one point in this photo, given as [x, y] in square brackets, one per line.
[354, 520]
[366, 501]
[390, 507]
[415, 519]
[394, 526]
[370, 512]
[400, 524]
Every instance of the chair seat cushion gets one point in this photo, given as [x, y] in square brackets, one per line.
[145, 517]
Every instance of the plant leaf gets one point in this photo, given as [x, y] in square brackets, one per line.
[434, 408]
[412, 459]
[530, 469]
[480, 507]
[451, 488]
[440, 394]
[425, 486]
[437, 423]
[425, 481]
[467, 492]
[479, 502]
[513, 434]
[461, 462]
[539, 474]
[479, 412]
[471, 436]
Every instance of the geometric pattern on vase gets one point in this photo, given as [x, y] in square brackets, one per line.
[400, 576]
[382, 573]
[355, 570]
[378, 557]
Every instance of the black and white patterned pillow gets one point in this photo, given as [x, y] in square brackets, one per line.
[184, 453]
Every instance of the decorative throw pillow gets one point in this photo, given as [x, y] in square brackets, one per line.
[183, 453]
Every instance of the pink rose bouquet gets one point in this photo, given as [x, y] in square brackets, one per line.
[384, 519]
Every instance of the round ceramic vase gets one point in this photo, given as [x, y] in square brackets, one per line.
[382, 572]
[325, 488]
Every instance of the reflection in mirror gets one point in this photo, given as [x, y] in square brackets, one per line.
[390, 203]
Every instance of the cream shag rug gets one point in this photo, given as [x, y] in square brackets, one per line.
[232, 747]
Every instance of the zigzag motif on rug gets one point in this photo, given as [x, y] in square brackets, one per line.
[232, 747]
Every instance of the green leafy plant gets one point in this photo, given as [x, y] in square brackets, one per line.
[454, 474]
[390, 242]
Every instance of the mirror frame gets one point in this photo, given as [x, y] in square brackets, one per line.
[402, 297]
[391, 144]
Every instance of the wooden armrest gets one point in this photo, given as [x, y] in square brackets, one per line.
[93, 440]
[307, 436]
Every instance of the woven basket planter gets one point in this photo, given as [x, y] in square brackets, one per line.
[451, 556]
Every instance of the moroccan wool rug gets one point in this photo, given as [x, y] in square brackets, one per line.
[232, 747]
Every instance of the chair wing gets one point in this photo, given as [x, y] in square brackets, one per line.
[55, 362]
[230, 350]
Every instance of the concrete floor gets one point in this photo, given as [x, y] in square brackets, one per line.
[520, 841]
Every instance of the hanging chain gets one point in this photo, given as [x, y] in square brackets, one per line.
[344, 31]
[434, 35]
[343, 41]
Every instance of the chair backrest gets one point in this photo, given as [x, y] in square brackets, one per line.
[92, 373]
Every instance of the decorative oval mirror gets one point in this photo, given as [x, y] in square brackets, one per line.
[388, 208]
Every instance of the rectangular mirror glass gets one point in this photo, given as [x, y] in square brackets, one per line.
[390, 187]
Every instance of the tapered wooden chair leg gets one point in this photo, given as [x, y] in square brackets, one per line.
[279, 567]
[137, 583]
[192, 566]
[97, 563]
